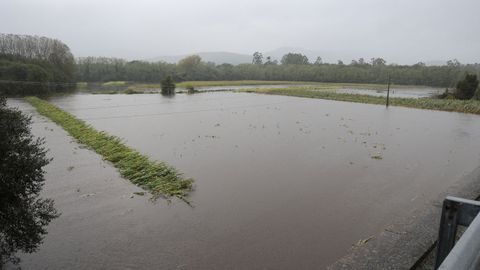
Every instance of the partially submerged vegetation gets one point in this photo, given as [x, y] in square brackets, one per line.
[464, 106]
[123, 87]
[237, 83]
[372, 86]
[114, 92]
[158, 177]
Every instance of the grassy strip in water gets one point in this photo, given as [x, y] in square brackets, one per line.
[145, 86]
[320, 84]
[115, 83]
[114, 92]
[237, 83]
[464, 106]
[158, 177]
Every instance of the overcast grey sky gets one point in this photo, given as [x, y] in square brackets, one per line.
[400, 31]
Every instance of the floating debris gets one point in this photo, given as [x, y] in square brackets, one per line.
[362, 242]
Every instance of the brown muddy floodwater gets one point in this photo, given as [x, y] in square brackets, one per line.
[280, 182]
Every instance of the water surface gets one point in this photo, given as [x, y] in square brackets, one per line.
[280, 182]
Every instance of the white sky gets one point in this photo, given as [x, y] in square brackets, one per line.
[401, 31]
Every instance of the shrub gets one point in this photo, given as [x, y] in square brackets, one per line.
[466, 88]
[167, 85]
[190, 89]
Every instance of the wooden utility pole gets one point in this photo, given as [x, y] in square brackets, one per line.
[388, 91]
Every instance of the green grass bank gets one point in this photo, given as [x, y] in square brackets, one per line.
[157, 177]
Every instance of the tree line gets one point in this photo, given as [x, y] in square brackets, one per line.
[33, 64]
[292, 67]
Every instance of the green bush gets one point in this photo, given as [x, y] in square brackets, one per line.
[466, 88]
[167, 85]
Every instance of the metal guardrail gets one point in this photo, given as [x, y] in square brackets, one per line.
[465, 254]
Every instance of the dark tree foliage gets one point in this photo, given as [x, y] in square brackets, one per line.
[192, 68]
[257, 58]
[269, 61]
[319, 61]
[378, 62]
[34, 65]
[108, 69]
[23, 214]
[467, 87]
[294, 59]
[168, 87]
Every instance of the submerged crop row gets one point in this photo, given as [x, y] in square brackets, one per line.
[158, 177]
[464, 106]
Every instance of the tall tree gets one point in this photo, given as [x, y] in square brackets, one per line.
[270, 61]
[37, 60]
[23, 214]
[190, 66]
[378, 62]
[189, 63]
[294, 59]
[257, 58]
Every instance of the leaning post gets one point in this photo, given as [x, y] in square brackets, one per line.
[388, 91]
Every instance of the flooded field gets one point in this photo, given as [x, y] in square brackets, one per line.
[239, 87]
[280, 182]
[97, 88]
[404, 92]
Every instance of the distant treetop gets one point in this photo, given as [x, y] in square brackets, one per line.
[294, 59]
[35, 47]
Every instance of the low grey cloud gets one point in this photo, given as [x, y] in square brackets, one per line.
[400, 31]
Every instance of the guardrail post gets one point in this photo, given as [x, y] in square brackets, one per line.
[455, 212]
[447, 231]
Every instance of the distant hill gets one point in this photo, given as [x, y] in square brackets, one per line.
[215, 57]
